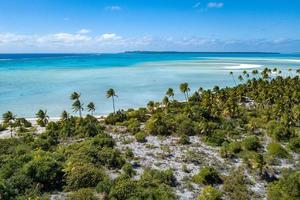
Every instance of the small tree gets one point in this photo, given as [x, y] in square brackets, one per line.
[91, 107]
[9, 119]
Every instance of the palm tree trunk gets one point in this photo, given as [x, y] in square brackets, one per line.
[234, 80]
[113, 99]
[173, 97]
[11, 132]
[80, 113]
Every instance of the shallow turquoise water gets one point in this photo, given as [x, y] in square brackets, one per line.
[29, 82]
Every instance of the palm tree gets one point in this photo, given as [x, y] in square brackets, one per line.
[170, 93]
[254, 72]
[241, 78]
[75, 96]
[231, 73]
[165, 101]
[111, 94]
[64, 115]
[9, 118]
[42, 118]
[91, 107]
[290, 70]
[184, 88]
[77, 107]
[151, 106]
[200, 90]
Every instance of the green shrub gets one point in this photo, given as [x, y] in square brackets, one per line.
[158, 125]
[133, 125]
[235, 186]
[287, 187]
[110, 158]
[128, 169]
[113, 118]
[46, 169]
[184, 126]
[141, 137]
[216, 138]
[164, 177]
[279, 132]
[207, 176]
[253, 159]
[295, 144]
[229, 150]
[104, 186]
[82, 194]
[184, 139]
[123, 188]
[210, 193]
[140, 114]
[251, 143]
[276, 150]
[83, 175]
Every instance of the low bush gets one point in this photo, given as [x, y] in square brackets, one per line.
[251, 143]
[184, 139]
[82, 194]
[229, 150]
[287, 187]
[207, 176]
[210, 193]
[83, 175]
[276, 150]
[141, 137]
[235, 186]
[295, 144]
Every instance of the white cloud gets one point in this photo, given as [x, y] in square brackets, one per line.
[83, 31]
[64, 38]
[215, 4]
[113, 8]
[108, 37]
[112, 42]
[12, 38]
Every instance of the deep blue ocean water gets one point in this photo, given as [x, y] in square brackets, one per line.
[29, 82]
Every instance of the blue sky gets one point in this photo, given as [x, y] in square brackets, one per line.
[177, 25]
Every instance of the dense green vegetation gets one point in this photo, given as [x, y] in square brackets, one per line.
[256, 122]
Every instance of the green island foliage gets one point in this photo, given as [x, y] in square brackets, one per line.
[253, 123]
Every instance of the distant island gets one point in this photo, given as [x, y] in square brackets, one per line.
[200, 52]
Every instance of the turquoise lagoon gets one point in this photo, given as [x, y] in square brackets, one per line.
[29, 82]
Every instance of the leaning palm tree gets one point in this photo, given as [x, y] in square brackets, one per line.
[9, 118]
[170, 93]
[231, 74]
[42, 118]
[184, 88]
[91, 108]
[78, 107]
[111, 94]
